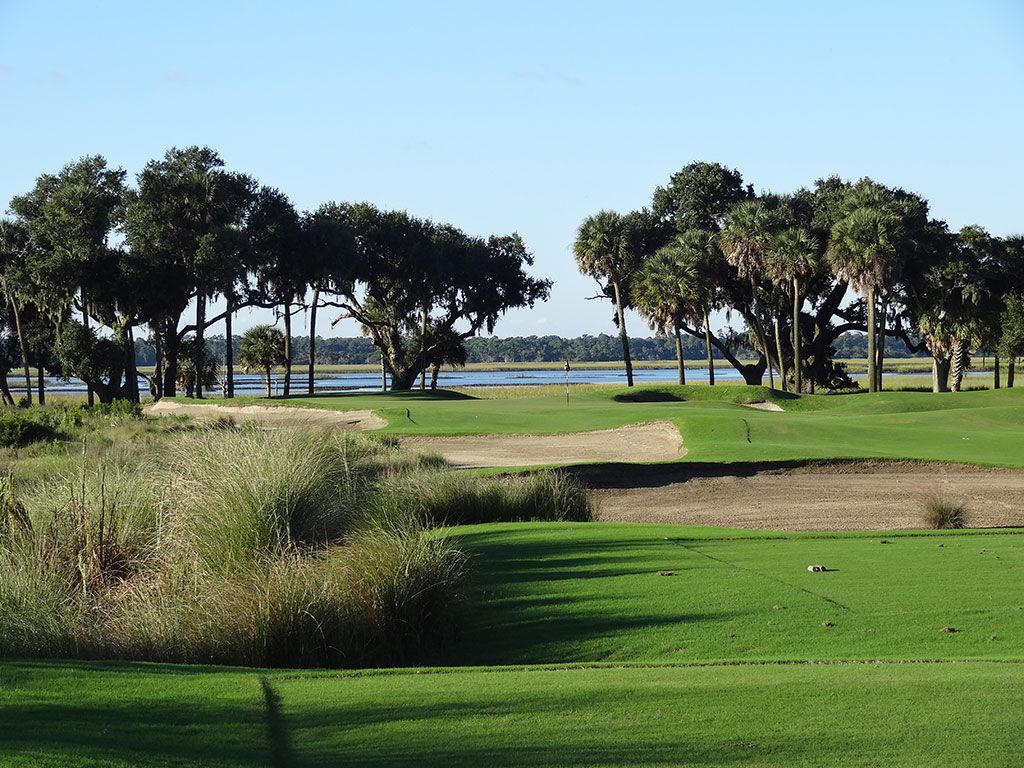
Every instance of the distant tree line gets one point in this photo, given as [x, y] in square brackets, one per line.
[602, 348]
[90, 263]
[784, 265]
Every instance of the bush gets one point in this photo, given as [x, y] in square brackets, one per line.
[19, 428]
[942, 514]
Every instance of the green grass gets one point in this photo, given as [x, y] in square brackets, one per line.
[965, 714]
[983, 427]
[596, 659]
[578, 593]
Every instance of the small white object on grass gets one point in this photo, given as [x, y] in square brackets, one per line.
[817, 568]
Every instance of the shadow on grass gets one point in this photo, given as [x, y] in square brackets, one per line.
[51, 720]
[564, 600]
[410, 394]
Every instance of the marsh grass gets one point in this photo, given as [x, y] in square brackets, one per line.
[443, 498]
[237, 545]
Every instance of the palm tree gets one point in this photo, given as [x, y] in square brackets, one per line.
[863, 250]
[262, 348]
[746, 237]
[663, 290]
[605, 249]
[794, 253]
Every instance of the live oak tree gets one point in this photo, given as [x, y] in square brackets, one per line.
[70, 217]
[407, 270]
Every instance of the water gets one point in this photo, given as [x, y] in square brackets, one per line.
[252, 384]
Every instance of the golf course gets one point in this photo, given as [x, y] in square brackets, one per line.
[631, 643]
[512, 385]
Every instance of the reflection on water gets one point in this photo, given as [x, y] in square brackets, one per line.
[252, 384]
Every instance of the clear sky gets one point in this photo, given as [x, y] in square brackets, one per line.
[528, 116]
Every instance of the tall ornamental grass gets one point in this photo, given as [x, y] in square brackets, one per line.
[253, 547]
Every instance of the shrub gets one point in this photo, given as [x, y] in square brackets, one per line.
[19, 428]
[941, 513]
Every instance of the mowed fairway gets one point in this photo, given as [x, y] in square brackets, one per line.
[967, 714]
[984, 427]
[584, 593]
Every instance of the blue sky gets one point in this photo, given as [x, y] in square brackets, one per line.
[528, 116]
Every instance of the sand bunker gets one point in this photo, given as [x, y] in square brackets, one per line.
[658, 441]
[275, 415]
[860, 496]
[775, 407]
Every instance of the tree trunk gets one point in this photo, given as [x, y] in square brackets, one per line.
[881, 344]
[961, 362]
[872, 359]
[41, 380]
[312, 336]
[797, 357]
[131, 381]
[403, 379]
[21, 346]
[707, 348]
[229, 350]
[679, 355]
[778, 349]
[5, 392]
[269, 395]
[287, 347]
[434, 370]
[940, 374]
[89, 396]
[423, 348]
[756, 328]
[622, 334]
[1010, 365]
[996, 372]
[158, 365]
[199, 360]
[383, 374]
[170, 348]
